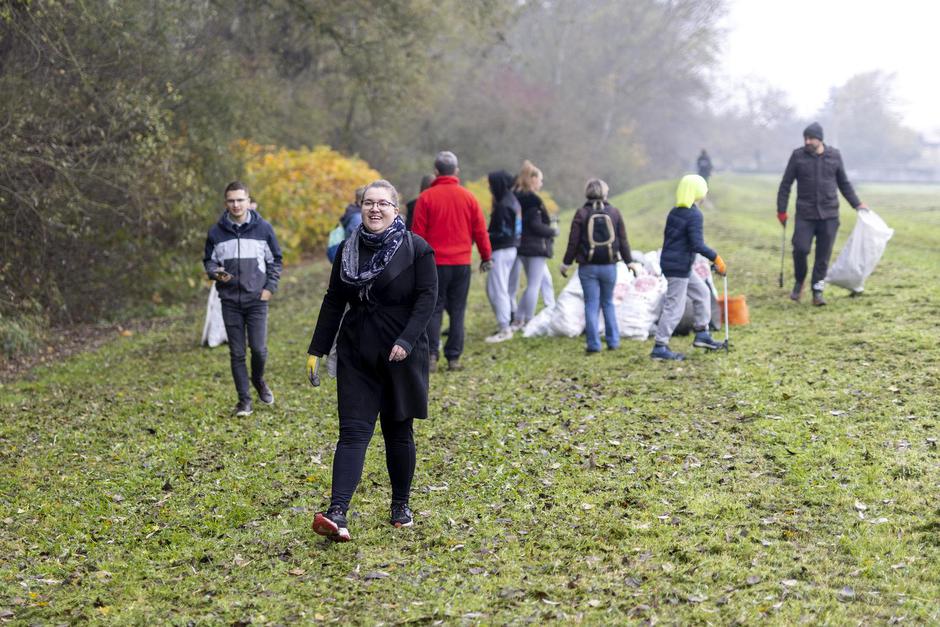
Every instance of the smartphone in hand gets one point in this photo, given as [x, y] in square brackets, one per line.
[222, 275]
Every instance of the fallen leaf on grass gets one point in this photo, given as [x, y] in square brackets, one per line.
[878, 521]
[753, 580]
[594, 602]
[240, 561]
[376, 574]
[789, 583]
[696, 598]
[846, 594]
[296, 572]
[4, 614]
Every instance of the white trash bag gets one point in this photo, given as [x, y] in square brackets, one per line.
[213, 331]
[637, 300]
[861, 252]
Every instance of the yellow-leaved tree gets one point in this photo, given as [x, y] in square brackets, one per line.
[303, 192]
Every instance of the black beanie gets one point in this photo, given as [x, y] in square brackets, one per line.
[813, 130]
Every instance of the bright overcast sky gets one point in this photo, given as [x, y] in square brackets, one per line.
[807, 46]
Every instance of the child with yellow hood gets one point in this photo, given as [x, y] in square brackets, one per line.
[682, 239]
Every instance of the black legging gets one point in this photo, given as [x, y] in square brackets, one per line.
[354, 436]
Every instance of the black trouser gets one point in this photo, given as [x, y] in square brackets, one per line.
[803, 233]
[354, 437]
[453, 285]
[252, 317]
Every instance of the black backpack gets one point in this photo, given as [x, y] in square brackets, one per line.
[600, 236]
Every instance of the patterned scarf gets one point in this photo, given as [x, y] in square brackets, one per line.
[384, 245]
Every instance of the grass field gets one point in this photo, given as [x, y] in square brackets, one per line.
[795, 479]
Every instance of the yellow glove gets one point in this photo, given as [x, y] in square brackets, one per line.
[313, 366]
[720, 266]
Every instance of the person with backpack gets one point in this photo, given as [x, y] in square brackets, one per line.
[535, 244]
[683, 238]
[388, 278]
[349, 222]
[598, 238]
[504, 230]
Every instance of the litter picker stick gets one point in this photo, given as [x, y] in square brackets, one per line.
[783, 252]
[725, 278]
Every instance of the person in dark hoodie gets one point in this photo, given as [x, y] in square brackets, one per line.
[820, 176]
[244, 259]
[505, 230]
[426, 181]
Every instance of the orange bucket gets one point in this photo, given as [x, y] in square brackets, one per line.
[737, 310]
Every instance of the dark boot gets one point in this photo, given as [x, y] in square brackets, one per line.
[818, 299]
[797, 292]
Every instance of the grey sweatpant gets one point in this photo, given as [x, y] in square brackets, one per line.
[674, 305]
[497, 285]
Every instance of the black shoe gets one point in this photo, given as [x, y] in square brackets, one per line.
[402, 515]
[797, 292]
[818, 299]
[454, 364]
[243, 409]
[332, 524]
[432, 363]
[264, 393]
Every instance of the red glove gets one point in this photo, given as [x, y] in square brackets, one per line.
[782, 216]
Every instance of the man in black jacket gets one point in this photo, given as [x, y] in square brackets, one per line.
[820, 175]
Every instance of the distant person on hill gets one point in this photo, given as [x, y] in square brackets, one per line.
[348, 222]
[387, 278]
[704, 164]
[683, 238]
[426, 181]
[598, 238]
[243, 257]
[819, 175]
[535, 245]
[505, 230]
[450, 219]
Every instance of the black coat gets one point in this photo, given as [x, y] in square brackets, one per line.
[502, 227]
[537, 233]
[819, 178]
[683, 237]
[400, 305]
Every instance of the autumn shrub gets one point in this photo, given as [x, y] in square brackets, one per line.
[303, 192]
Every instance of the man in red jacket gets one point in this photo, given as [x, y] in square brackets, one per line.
[450, 219]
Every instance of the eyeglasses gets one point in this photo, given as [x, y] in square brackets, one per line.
[381, 204]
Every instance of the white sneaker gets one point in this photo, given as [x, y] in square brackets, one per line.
[501, 336]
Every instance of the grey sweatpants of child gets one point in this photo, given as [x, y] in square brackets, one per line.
[674, 305]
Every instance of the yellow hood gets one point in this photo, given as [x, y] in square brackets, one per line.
[692, 187]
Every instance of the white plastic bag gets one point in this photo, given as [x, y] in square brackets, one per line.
[861, 252]
[213, 331]
[637, 299]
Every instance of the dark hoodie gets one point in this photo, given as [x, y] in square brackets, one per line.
[506, 218]
[249, 252]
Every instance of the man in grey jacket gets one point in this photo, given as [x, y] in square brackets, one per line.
[819, 175]
[244, 259]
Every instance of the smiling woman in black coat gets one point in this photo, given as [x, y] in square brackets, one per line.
[388, 278]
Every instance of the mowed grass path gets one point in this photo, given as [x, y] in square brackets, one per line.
[794, 479]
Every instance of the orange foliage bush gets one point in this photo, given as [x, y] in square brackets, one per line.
[302, 192]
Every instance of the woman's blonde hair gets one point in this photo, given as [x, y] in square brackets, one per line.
[525, 180]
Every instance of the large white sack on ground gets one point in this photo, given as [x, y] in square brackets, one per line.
[213, 331]
[861, 252]
[637, 300]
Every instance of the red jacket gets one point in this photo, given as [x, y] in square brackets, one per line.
[450, 219]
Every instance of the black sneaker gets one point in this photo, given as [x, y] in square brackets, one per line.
[401, 515]
[332, 524]
[797, 292]
[264, 393]
[454, 365]
[818, 299]
[243, 409]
